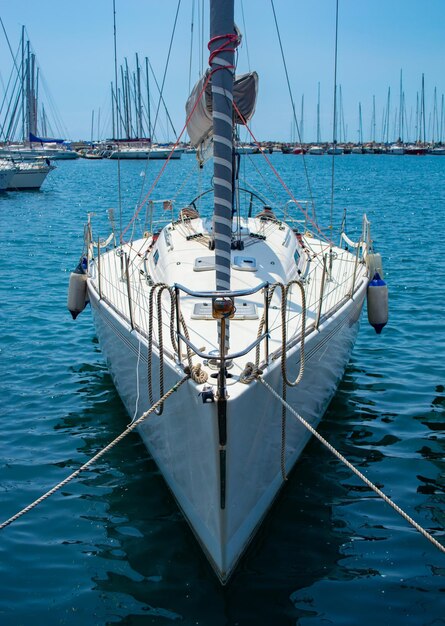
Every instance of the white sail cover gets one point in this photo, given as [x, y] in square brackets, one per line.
[200, 125]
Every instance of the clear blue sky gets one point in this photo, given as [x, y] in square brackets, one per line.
[73, 41]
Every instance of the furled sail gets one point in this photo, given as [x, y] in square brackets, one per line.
[200, 125]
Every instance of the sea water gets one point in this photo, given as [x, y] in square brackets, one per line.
[111, 547]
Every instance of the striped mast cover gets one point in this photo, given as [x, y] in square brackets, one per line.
[221, 48]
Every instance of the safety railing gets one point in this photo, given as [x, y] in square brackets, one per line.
[124, 283]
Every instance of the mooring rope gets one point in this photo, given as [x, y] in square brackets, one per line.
[97, 456]
[353, 469]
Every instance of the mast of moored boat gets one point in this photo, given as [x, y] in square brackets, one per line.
[222, 66]
[222, 47]
[318, 117]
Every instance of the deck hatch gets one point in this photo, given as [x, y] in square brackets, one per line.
[244, 311]
[204, 263]
[245, 263]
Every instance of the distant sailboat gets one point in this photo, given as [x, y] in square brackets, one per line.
[29, 173]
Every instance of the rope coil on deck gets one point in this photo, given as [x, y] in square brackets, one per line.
[195, 372]
[97, 456]
[357, 472]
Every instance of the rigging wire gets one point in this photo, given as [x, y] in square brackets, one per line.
[334, 129]
[119, 185]
[245, 35]
[288, 191]
[192, 26]
[293, 112]
[14, 60]
[166, 68]
[161, 99]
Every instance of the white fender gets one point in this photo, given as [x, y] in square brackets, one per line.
[374, 264]
[77, 293]
[377, 301]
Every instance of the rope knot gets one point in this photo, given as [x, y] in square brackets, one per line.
[198, 374]
[249, 373]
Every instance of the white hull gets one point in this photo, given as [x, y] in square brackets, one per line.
[316, 150]
[151, 154]
[224, 511]
[29, 177]
[396, 150]
[60, 155]
[6, 176]
[22, 152]
[184, 439]
[334, 151]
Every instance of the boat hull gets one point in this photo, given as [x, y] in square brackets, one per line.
[6, 175]
[224, 503]
[154, 154]
[28, 179]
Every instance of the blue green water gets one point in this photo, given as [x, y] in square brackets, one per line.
[112, 547]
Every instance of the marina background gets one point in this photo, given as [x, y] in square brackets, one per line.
[330, 551]
[377, 40]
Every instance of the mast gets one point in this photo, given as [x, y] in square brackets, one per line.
[119, 121]
[113, 105]
[435, 125]
[343, 126]
[27, 93]
[441, 120]
[401, 110]
[318, 116]
[148, 99]
[221, 61]
[23, 85]
[128, 100]
[417, 118]
[302, 120]
[422, 110]
[136, 108]
[124, 107]
[139, 99]
[388, 109]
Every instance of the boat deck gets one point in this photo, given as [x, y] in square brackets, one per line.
[272, 253]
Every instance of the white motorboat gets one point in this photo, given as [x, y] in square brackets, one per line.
[396, 148]
[238, 315]
[438, 151]
[316, 150]
[336, 150]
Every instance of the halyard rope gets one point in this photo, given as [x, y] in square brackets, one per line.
[97, 456]
[353, 469]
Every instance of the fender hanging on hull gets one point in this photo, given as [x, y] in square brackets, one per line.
[377, 302]
[77, 290]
